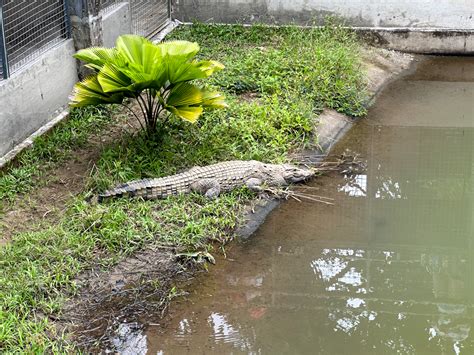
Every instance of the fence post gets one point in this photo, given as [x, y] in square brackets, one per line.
[85, 26]
[3, 46]
[67, 19]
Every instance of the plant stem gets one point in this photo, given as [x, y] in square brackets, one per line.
[143, 105]
[138, 119]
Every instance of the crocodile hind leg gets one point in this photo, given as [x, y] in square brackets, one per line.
[208, 187]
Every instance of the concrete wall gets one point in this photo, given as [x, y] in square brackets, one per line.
[431, 41]
[115, 22]
[454, 14]
[419, 26]
[33, 96]
[38, 94]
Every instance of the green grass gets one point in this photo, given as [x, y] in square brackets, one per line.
[292, 75]
[38, 268]
[49, 150]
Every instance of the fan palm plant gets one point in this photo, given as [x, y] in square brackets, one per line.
[157, 76]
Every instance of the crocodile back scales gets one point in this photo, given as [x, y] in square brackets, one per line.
[229, 174]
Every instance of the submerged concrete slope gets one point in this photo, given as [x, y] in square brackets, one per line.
[422, 26]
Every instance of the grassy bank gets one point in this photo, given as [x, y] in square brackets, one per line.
[276, 81]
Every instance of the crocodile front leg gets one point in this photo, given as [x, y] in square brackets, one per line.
[254, 184]
[208, 187]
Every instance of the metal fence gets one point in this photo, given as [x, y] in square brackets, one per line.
[148, 16]
[28, 29]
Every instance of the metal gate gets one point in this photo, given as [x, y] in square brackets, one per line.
[148, 16]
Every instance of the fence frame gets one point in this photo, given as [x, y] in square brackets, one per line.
[16, 55]
[3, 47]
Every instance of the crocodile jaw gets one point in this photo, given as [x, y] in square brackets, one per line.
[293, 174]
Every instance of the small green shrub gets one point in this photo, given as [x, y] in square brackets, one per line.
[157, 76]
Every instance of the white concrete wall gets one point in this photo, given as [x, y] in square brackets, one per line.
[115, 22]
[458, 14]
[453, 14]
[35, 95]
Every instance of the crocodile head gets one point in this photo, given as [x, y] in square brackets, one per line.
[293, 174]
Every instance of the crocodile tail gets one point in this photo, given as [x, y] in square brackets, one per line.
[127, 189]
[115, 193]
[106, 196]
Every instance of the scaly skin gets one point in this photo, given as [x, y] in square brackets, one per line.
[213, 179]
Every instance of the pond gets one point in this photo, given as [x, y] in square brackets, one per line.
[389, 268]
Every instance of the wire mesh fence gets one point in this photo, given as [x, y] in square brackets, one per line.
[29, 29]
[148, 16]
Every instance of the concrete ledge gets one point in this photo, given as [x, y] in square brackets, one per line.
[409, 40]
[423, 41]
[29, 141]
[160, 36]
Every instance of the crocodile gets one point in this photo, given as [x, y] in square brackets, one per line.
[213, 179]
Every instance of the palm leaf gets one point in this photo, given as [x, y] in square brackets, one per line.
[182, 50]
[208, 67]
[184, 94]
[188, 113]
[213, 99]
[89, 92]
[96, 57]
[111, 79]
[131, 48]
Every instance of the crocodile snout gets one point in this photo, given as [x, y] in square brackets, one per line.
[294, 174]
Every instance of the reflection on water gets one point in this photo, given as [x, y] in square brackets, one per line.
[387, 269]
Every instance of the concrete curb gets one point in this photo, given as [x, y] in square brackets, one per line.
[7, 158]
[418, 40]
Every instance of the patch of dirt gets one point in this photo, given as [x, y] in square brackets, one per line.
[46, 204]
[249, 96]
[140, 285]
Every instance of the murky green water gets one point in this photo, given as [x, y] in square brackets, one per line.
[388, 269]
